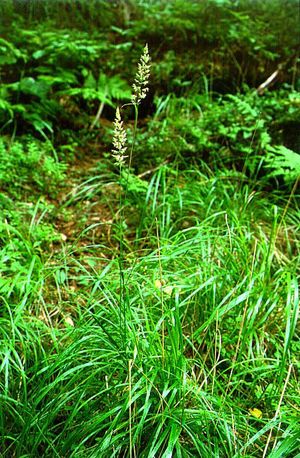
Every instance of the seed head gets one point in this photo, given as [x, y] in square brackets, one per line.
[140, 85]
[119, 140]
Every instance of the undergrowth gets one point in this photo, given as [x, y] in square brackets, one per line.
[204, 362]
[149, 290]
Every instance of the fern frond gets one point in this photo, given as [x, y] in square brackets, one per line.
[282, 161]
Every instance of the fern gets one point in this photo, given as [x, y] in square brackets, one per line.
[105, 89]
[283, 162]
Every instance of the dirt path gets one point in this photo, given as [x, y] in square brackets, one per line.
[83, 214]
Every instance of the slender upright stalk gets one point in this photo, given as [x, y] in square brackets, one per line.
[136, 116]
[140, 89]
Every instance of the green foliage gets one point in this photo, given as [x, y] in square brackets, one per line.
[133, 184]
[151, 309]
[55, 61]
[106, 90]
[63, 59]
[231, 42]
[283, 162]
[9, 54]
[24, 236]
[237, 130]
[29, 162]
[176, 381]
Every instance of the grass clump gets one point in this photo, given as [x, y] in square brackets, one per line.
[207, 337]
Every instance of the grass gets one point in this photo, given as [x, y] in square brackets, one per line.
[207, 335]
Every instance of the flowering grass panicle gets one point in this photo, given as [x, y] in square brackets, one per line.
[119, 140]
[140, 85]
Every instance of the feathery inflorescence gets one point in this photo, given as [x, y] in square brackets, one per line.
[141, 81]
[140, 89]
[119, 140]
